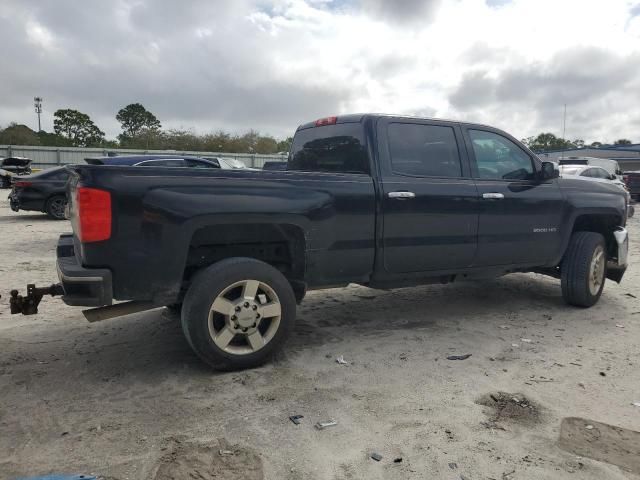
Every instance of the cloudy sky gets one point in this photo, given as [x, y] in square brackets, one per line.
[270, 65]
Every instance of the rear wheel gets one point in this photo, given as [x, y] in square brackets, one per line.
[237, 313]
[583, 269]
[55, 207]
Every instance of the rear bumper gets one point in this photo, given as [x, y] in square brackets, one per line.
[90, 287]
[21, 201]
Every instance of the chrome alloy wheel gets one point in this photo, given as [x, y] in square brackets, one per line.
[596, 270]
[244, 317]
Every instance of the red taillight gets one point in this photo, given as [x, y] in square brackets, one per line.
[22, 184]
[625, 178]
[326, 121]
[93, 210]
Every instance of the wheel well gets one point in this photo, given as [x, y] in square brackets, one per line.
[280, 245]
[56, 195]
[603, 224]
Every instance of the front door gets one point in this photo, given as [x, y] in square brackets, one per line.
[520, 216]
[429, 200]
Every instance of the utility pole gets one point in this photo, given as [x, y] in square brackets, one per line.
[564, 127]
[37, 103]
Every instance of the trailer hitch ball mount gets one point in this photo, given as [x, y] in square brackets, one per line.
[28, 305]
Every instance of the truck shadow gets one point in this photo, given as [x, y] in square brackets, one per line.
[27, 218]
[149, 346]
[343, 315]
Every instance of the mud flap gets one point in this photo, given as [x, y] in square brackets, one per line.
[615, 272]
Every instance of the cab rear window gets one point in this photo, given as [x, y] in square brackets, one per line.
[333, 148]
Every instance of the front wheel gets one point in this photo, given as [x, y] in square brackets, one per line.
[237, 313]
[583, 269]
[55, 207]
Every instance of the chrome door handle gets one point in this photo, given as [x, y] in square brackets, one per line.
[498, 196]
[401, 195]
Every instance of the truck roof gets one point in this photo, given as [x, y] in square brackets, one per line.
[359, 117]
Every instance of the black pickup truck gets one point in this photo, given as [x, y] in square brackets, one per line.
[382, 201]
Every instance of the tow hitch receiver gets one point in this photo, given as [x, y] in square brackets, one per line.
[29, 305]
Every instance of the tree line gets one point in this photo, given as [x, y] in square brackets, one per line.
[140, 129]
[545, 142]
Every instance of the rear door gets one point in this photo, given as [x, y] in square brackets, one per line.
[429, 200]
[520, 217]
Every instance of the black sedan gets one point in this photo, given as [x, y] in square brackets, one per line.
[46, 191]
[170, 161]
[41, 192]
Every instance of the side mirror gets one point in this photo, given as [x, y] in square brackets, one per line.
[549, 171]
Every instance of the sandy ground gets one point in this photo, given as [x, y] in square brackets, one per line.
[126, 398]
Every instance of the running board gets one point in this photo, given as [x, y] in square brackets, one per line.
[118, 310]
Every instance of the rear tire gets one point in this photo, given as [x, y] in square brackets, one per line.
[237, 313]
[583, 269]
[55, 207]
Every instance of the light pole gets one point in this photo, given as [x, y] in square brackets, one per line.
[37, 103]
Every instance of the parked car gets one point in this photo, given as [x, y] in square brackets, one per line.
[11, 167]
[169, 161]
[45, 192]
[41, 192]
[609, 165]
[598, 174]
[632, 181]
[381, 201]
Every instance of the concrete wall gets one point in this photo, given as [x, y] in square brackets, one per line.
[44, 157]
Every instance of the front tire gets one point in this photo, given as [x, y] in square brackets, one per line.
[237, 313]
[583, 269]
[55, 207]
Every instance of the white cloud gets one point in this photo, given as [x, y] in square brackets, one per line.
[39, 35]
[271, 65]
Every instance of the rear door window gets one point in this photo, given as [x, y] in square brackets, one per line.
[332, 148]
[424, 150]
[498, 158]
[601, 173]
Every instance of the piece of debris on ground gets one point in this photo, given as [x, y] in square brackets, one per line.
[327, 424]
[458, 357]
[340, 360]
[296, 418]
